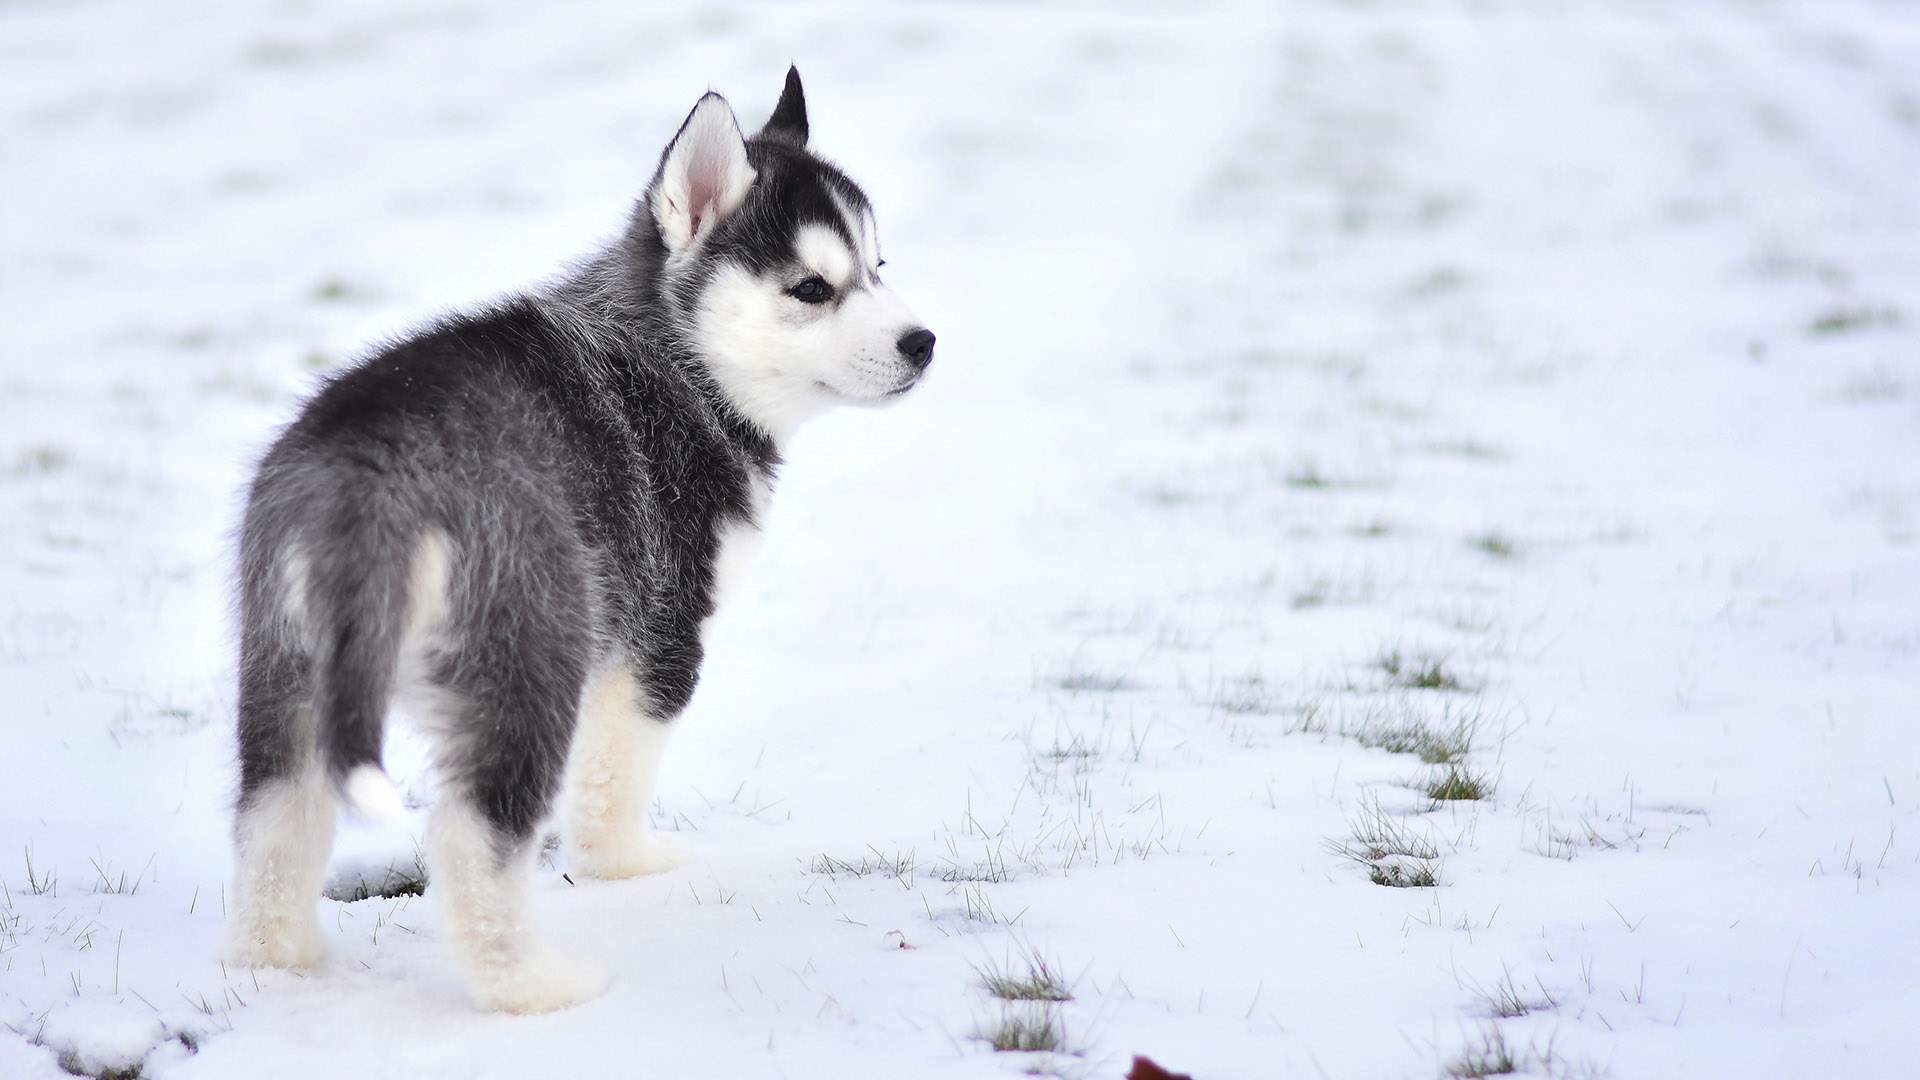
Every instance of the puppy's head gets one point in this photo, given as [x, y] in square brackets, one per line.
[773, 264]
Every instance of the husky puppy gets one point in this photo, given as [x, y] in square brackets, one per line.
[517, 522]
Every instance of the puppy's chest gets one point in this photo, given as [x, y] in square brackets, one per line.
[736, 545]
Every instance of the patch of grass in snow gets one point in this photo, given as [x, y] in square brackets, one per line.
[1071, 752]
[1433, 745]
[13, 925]
[1457, 783]
[1370, 530]
[1418, 671]
[111, 883]
[1463, 617]
[396, 880]
[336, 290]
[1506, 1001]
[41, 882]
[991, 870]
[1491, 1057]
[1398, 725]
[898, 866]
[1097, 833]
[1031, 977]
[1566, 843]
[1249, 695]
[1032, 1028]
[1079, 680]
[1233, 701]
[978, 907]
[1308, 477]
[1849, 320]
[1495, 544]
[1322, 591]
[1309, 718]
[1400, 875]
[1076, 748]
[1394, 855]
[317, 361]
[44, 459]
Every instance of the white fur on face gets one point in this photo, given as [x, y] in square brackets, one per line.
[866, 233]
[779, 359]
[823, 252]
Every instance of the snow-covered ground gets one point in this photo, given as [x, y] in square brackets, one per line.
[1567, 354]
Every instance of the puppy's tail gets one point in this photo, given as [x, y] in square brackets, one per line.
[359, 589]
[370, 793]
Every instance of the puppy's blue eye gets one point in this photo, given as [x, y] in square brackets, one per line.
[812, 291]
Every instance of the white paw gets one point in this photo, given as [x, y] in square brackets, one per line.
[545, 982]
[290, 943]
[651, 853]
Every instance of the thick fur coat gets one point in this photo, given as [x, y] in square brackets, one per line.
[517, 521]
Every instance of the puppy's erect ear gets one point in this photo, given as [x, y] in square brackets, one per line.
[704, 175]
[789, 120]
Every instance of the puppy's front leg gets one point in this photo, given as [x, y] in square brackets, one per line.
[611, 772]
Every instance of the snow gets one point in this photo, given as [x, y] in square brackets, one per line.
[1253, 321]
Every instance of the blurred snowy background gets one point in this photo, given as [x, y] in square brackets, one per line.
[1405, 565]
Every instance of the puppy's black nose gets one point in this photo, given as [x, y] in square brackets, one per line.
[917, 347]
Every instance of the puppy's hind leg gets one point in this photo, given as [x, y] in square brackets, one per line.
[283, 831]
[482, 876]
[611, 774]
[503, 756]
